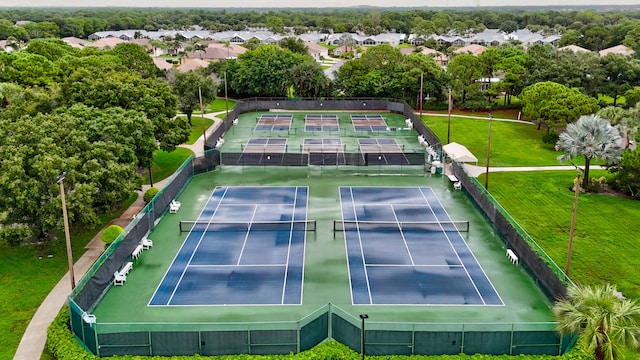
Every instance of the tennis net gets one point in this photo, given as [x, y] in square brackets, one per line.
[304, 225]
[352, 225]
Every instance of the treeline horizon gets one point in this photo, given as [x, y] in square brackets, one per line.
[82, 22]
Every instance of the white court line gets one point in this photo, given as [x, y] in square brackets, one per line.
[406, 246]
[184, 270]
[454, 249]
[286, 269]
[364, 263]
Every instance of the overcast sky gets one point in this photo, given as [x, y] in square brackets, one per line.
[304, 3]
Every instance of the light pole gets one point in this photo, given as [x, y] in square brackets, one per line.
[486, 176]
[421, 83]
[363, 316]
[576, 187]
[65, 219]
[226, 99]
[449, 118]
[204, 131]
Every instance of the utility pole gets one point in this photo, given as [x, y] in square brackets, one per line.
[421, 84]
[576, 188]
[65, 219]
[486, 175]
[226, 99]
[204, 131]
[449, 118]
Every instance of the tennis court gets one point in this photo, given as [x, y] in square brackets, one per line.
[261, 151]
[403, 250]
[382, 151]
[274, 122]
[369, 122]
[246, 247]
[321, 123]
[324, 151]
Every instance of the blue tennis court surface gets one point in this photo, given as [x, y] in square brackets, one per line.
[247, 247]
[390, 263]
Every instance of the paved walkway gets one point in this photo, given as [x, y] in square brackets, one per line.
[35, 336]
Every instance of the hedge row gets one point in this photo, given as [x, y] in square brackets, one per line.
[64, 346]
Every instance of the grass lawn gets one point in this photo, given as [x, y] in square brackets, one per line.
[26, 280]
[166, 163]
[196, 129]
[219, 104]
[512, 144]
[606, 234]
[609, 100]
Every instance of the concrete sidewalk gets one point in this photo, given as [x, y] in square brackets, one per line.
[34, 338]
[476, 171]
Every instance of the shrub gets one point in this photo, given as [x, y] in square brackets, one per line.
[149, 194]
[111, 233]
[551, 136]
[476, 105]
[15, 235]
[60, 340]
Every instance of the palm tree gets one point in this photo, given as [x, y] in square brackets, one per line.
[606, 324]
[202, 48]
[593, 137]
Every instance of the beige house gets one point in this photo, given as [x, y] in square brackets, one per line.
[106, 43]
[317, 51]
[618, 49]
[574, 48]
[162, 64]
[192, 64]
[473, 49]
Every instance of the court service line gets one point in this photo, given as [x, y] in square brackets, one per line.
[244, 243]
[472, 254]
[286, 267]
[453, 247]
[406, 246]
[184, 270]
[364, 263]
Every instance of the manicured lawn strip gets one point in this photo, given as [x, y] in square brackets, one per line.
[512, 144]
[196, 129]
[607, 227]
[219, 105]
[165, 163]
[27, 280]
[497, 114]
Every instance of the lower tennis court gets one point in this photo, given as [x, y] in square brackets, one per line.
[246, 247]
[404, 249]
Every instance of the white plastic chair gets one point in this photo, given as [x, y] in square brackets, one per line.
[119, 279]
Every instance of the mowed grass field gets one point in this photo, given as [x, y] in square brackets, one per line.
[512, 143]
[606, 233]
[27, 279]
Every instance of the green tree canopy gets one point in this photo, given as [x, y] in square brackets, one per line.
[188, 87]
[592, 137]
[265, 71]
[606, 325]
[555, 104]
